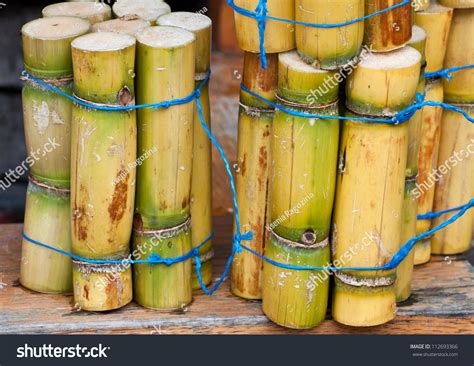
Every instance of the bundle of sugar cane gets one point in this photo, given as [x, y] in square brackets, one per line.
[102, 171]
[410, 202]
[456, 162]
[201, 193]
[253, 156]
[165, 71]
[47, 123]
[94, 12]
[123, 25]
[302, 182]
[148, 10]
[436, 21]
[279, 36]
[329, 48]
[369, 198]
[389, 30]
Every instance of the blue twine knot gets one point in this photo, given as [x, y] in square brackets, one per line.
[238, 238]
[261, 18]
[409, 112]
[197, 93]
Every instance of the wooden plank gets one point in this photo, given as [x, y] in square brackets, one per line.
[442, 303]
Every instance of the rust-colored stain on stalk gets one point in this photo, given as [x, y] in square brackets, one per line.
[119, 199]
[86, 292]
[257, 79]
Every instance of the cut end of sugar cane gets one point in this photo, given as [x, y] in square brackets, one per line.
[94, 12]
[295, 298]
[124, 26]
[418, 42]
[158, 286]
[459, 53]
[101, 287]
[148, 10]
[303, 84]
[201, 26]
[436, 21]
[47, 45]
[329, 48]
[390, 30]
[279, 36]
[47, 221]
[384, 84]
[111, 52]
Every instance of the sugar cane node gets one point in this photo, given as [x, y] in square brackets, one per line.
[260, 14]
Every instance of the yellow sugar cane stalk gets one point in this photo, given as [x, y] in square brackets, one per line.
[121, 25]
[457, 4]
[201, 193]
[329, 48]
[165, 71]
[46, 114]
[47, 221]
[94, 12]
[279, 36]
[148, 10]
[101, 287]
[408, 231]
[456, 164]
[302, 182]
[410, 201]
[253, 156]
[103, 156]
[436, 21]
[159, 286]
[367, 222]
[389, 30]
[460, 52]
[427, 164]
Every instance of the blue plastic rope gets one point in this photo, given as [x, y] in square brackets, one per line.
[165, 104]
[152, 259]
[392, 264]
[446, 73]
[400, 117]
[261, 15]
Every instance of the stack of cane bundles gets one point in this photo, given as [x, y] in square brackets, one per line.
[293, 172]
[100, 140]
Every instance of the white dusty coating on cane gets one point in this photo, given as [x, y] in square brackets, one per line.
[123, 26]
[398, 59]
[165, 37]
[418, 34]
[190, 21]
[76, 9]
[294, 62]
[55, 28]
[103, 42]
[148, 10]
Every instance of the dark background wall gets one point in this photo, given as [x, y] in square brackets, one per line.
[13, 14]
